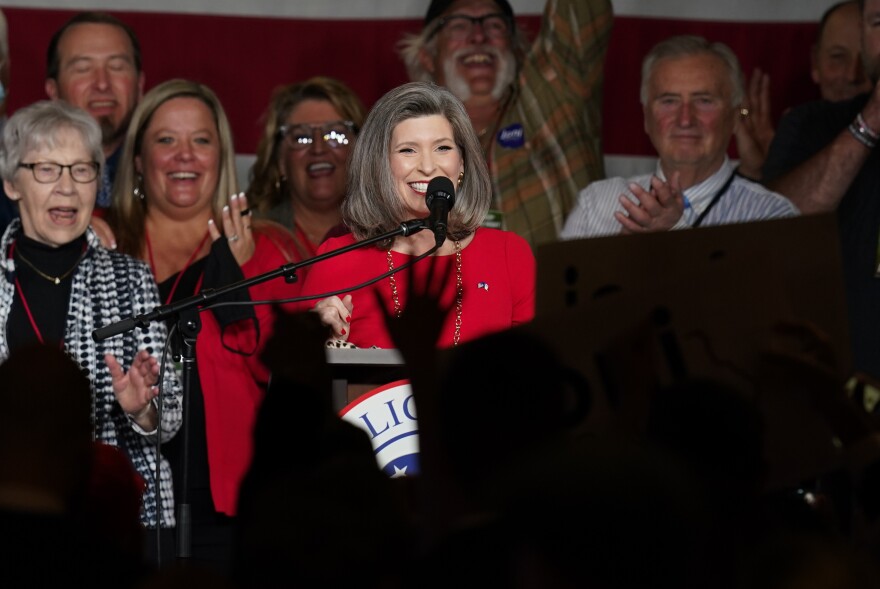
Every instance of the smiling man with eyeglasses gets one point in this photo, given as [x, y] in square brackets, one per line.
[536, 109]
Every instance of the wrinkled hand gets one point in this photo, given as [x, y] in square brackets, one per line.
[657, 210]
[135, 389]
[754, 128]
[237, 221]
[335, 313]
[105, 234]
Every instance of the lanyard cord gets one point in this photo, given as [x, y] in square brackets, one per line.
[714, 200]
[185, 267]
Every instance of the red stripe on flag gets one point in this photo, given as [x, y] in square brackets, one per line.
[244, 59]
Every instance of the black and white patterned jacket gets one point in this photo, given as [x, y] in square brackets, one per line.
[109, 287]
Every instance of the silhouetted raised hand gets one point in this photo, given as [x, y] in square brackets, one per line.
[415, 331]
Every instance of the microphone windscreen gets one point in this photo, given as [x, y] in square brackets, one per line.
[102, 333]
[440, 186]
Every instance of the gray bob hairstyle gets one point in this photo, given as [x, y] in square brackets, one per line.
[37, 127]
[689, 45]
[373, 205]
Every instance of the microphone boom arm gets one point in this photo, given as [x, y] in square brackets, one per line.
[208, 295]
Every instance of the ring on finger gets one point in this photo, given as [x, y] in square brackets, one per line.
[233, 237]
[245, 212]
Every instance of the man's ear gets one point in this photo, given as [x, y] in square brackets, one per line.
[427, 61]
[142, 79]
[51, 87]
[814, 64]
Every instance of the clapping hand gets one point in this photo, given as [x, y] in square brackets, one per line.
[658, 209]
[135, 389]
[104, 233]
[335, 313]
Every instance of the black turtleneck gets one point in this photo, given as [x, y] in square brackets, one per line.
[47, 301]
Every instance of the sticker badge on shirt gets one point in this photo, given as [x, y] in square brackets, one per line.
[512, 136]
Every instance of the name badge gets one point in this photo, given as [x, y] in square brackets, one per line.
[512, 136]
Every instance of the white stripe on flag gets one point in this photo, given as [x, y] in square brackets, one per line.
[742, 10]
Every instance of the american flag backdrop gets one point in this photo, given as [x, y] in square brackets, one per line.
[244, 49]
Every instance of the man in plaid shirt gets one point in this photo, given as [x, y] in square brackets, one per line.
[536, 109]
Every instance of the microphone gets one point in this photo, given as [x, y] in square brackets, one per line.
[440, 197]
[102, 333]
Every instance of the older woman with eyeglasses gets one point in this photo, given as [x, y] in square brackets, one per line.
[59, 284]
[299, 177]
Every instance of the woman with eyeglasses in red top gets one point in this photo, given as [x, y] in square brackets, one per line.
[299, 176]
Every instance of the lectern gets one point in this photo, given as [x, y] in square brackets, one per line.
[370, 392]
[357, 371]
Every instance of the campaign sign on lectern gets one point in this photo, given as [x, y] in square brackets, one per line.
[388, 415]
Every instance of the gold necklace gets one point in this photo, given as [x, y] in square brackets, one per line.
[52, 279]
[459, 291]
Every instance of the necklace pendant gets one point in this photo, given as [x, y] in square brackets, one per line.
[57, 280]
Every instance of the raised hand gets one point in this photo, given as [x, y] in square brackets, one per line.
[417, 328]
[237, 220]
[415, 333]
[754, 128]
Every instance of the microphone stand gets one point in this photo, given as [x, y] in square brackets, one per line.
[186, 313]
[188, 327]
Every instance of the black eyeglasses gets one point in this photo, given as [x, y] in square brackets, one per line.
[335, 134]
[460, 26]
[48, 172]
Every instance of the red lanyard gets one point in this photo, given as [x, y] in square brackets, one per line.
[185, 268]
[30, 315]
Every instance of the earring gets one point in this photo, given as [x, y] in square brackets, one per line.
[460, 178]
[138, 192]
[279, 182]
